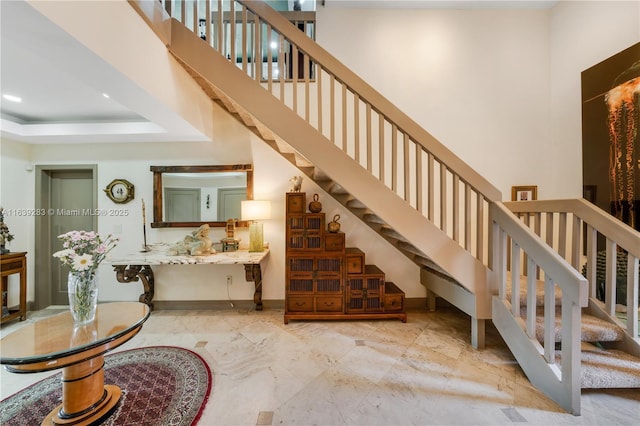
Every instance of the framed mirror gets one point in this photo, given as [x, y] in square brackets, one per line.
[190, 196]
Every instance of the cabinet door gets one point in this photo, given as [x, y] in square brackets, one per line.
[304, 231]
[300, 274]
[365, 293]
[329, 274]
[296, 202]
[334, 242]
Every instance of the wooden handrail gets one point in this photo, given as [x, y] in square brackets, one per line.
[604, 223]
[590, 222]
[570, 280]
[561, 382]
[378, 102]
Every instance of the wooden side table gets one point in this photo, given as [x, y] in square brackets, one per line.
[137, 266]
[14, 263]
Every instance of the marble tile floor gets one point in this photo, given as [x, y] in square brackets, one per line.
[387, 373]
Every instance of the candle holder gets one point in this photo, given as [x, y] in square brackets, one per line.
[145, 247]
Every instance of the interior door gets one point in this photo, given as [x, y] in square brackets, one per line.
[182, 204]
[229, 202]
[71, 199]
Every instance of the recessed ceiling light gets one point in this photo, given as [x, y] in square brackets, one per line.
[12, 98]
[106, 95]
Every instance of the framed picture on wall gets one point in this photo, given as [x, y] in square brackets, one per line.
[524, 193]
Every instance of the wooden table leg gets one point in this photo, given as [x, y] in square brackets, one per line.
[85, 398]
[133, 273]
[253, 272]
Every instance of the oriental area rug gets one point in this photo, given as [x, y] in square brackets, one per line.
[161, 385]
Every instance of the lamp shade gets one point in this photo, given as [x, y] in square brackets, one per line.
[255, 209]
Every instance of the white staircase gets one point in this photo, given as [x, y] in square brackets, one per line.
[421, 198]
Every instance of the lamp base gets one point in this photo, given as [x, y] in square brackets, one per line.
[256, 237]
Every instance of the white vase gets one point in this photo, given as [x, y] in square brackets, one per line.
[83, 296]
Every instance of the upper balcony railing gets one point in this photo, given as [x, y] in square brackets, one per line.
[240, 36]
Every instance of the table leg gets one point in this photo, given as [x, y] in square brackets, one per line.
[131, 273]
[253, 272]
[85, 398]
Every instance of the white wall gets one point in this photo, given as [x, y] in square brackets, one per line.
[183, 282]
[504, 82]
[17, 197]
[582, 34]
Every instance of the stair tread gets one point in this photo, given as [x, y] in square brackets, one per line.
[607, 368]
[592, 329]
[539, 291]
[391, 232]
[374, 218]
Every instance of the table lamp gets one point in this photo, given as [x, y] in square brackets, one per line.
[254, 211]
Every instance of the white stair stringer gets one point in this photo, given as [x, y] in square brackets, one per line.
[310, 144]
[432, 276]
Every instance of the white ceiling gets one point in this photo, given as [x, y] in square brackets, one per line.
[440, 4]
[62, 84]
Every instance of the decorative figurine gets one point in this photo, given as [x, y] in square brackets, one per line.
[230, 242]
[5, 236]
[315, 206]
[196, 244]
[295, 184]
[334, 225]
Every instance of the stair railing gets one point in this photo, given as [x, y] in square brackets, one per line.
[579, 231]
[403, 156]
[350, 113]
[515, 308]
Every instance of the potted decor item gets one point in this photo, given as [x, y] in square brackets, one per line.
[334, 225]
[315, 206]
[82, 252]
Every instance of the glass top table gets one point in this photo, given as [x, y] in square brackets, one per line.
[55, 342]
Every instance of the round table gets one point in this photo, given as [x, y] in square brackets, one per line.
[55, 342]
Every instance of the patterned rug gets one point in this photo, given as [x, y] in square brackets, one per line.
[161, 385]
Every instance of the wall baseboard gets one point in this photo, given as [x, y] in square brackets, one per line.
[416, 303]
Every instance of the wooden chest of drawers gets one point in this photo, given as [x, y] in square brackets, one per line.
[325, 279]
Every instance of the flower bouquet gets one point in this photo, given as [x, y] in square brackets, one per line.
[82, 252]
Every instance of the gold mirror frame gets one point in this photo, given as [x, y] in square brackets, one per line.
[158, 220]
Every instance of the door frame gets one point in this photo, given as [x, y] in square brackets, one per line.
[42, 257]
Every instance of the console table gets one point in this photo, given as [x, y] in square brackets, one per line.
[55, 342]
[137, 266]
[14, 263]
